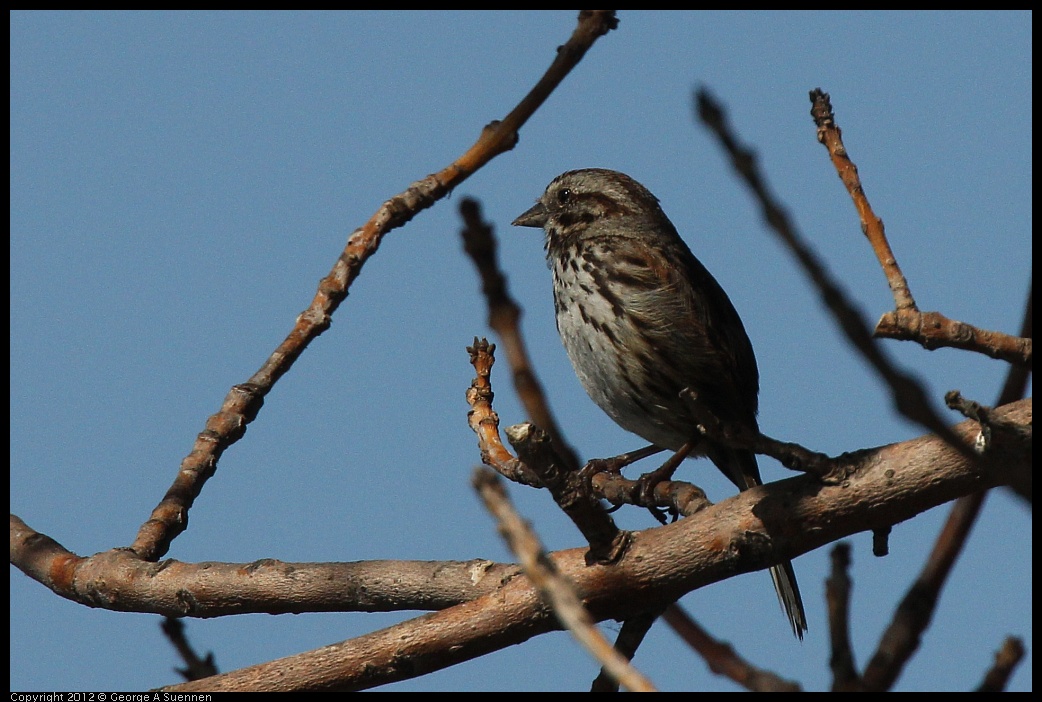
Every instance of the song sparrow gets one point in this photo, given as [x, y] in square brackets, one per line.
[642, 319]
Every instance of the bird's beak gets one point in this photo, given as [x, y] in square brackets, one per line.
[535, 216]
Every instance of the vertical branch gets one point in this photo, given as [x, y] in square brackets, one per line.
[837, 595]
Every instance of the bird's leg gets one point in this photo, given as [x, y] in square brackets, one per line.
[649, 481]
[615, 464]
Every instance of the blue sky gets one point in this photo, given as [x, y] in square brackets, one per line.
[181, 181]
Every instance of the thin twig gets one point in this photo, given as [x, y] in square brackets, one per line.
[196, 668]
[830, 135]
[630, 637]
[539, 465]
[1006, 659]
[485, 422]
[837, 596]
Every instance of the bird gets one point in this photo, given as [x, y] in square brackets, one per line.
[642, 320]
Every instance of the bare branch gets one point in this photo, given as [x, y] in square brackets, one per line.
[677, 496]
[932, 330]
[1006, 659]
[1013, 389]
[630, 637]
[1017, 379]
[913, 615]
[750, 531]
[240, 407]
[754, 529]
[569, 490]
[484, 421]
[196, 668]
[119, 580]
[830, 135]
[539, 465]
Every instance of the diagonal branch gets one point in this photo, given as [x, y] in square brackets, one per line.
[1006, 659]
[243, 402]
[901, 638]
[721, 657]
[196, 667]
[631, 636]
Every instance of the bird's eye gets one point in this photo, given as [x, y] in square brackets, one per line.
[564, 195]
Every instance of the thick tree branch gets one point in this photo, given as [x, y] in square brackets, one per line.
[750, 531]
[122, 581]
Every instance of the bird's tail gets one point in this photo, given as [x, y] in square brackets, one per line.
[789, 596]
[741, 468]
